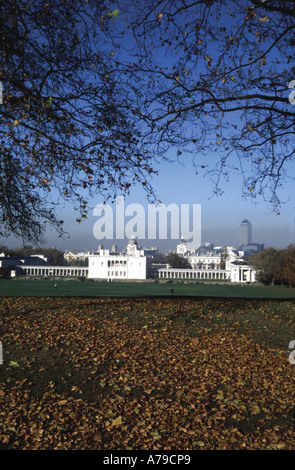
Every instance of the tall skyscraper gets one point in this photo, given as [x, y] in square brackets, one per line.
[245, 232]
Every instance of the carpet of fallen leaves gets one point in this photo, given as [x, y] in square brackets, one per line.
[146, 374]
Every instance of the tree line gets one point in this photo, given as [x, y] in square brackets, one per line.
[173, 259]
[54, 256]
[275, 266]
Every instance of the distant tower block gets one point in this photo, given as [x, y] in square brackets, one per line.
[245, 232]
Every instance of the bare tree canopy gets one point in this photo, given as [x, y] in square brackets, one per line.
[214, 81]
[92, 95]
[63, 123]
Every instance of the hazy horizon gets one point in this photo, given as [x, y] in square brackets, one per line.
[178, 184]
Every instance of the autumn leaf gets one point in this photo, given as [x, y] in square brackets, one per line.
[199, 443]
[113, 14]
[117, 421]
[13, 364]
[156, 434]
[255, 409]
[62, 402]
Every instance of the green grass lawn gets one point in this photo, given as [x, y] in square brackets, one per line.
[76, 288]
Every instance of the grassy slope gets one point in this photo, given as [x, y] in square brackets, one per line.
[69, 288]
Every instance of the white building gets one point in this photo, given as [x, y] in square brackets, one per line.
[55, 271]
[116, 266]
[181, 248]
[241, 271]
[199, 274]
[207, 265]
[134, 264]
[202, 259]
[76, 255]
[236, 271]
[207, 261]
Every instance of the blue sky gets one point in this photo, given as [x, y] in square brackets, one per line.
[221, 215]
[179, 184]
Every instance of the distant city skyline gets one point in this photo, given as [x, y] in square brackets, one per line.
[279, 237]
[221, 215]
